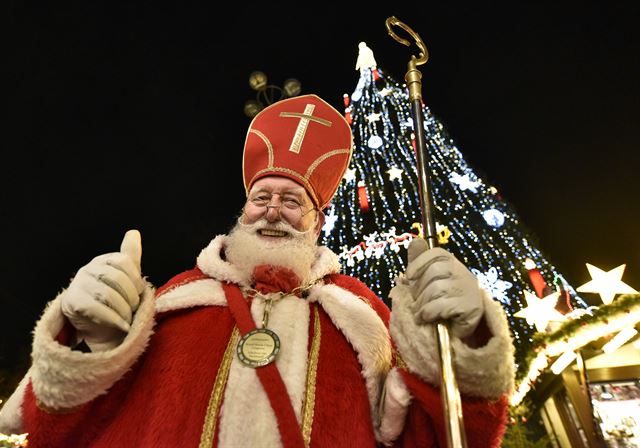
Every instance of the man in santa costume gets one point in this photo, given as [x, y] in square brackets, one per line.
[264, 343]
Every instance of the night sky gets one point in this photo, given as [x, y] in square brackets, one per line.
[131, 116]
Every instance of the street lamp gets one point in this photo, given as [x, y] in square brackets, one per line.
[268, 93]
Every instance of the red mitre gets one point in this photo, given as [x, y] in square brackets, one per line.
[302, 138]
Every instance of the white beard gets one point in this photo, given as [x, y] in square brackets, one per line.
[245, 249]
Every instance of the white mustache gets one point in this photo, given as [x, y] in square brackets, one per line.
[283, 226]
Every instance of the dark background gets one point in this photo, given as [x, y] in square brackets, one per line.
[131, 116]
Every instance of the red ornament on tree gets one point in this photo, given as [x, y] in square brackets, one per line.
[376, 74]
[535, 277]
[347, 115]
[362, 197]
[345, 98]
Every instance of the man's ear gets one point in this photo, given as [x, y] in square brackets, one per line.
[320, 222]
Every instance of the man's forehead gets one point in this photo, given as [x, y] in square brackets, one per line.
[279, 184]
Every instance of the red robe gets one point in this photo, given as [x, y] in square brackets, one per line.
[174, 392]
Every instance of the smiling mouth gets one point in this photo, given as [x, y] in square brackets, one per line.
[272, 232]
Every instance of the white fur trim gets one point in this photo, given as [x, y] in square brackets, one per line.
[364, 330]
[326, 263]
[11, 412]
[395, 405]
[63, 378]
[197, 293]
[211, 263]
[247, 418]
[486, 371]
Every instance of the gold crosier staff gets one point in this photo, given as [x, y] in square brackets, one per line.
[451, 404]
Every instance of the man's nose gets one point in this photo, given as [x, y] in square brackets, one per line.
[273, 212]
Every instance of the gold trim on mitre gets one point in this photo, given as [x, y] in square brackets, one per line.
[321, 159]
[302, 178]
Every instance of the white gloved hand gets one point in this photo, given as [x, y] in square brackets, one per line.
[442, 289]
[104, 295]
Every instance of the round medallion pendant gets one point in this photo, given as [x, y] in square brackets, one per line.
[258, 348]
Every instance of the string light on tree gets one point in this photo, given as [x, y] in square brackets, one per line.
[482, 230]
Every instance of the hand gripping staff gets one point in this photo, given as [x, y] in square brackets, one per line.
[451, 403]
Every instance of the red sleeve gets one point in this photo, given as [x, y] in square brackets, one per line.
[484, 420]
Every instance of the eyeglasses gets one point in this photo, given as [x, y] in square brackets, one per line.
[290, 209]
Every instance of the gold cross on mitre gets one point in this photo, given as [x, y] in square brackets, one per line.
[305, 118]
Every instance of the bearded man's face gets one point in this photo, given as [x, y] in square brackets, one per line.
[279, 226]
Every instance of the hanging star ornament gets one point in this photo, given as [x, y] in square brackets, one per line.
[540, 312]
[464, 182]
[329, 222]
[373, 117]
[607, 284]
[350, 174]
[394, 173]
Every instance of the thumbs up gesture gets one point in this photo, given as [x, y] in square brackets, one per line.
[104, 295]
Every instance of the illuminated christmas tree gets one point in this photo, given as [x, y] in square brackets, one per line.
[376, 213]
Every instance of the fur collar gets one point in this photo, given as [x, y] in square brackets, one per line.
[210, 262]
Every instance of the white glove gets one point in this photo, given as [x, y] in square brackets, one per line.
[442, 289]
[104, 294]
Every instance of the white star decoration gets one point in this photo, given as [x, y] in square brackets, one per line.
[373, 117]
[394, 173]
[350, 174]
[540, 311]
[329, 222]
[464, 182]
[607, 284]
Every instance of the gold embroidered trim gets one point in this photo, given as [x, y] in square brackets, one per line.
[266, 142]
[399, 361]
[303, 124]
[322, 158]
[211, 418]
[307, 116]
[177, 285]
[310, 393]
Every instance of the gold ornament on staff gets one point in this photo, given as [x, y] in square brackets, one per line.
[452, 406]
